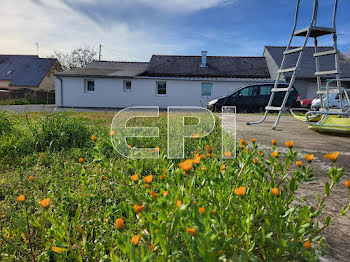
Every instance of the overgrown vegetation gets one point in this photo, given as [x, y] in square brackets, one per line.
[65, 196]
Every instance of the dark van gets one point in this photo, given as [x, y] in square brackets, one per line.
[254, 98]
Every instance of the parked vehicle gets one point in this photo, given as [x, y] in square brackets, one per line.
[254, 98]
[334, 101]
[306, 103]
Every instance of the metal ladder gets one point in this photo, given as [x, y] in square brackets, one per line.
[310, 31]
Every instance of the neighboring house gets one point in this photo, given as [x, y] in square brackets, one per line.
[28, 72]
[305, 80]
[164, 81]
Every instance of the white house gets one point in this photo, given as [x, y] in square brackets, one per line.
[171, 80]
[164, 81]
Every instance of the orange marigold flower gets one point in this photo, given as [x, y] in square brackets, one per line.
[252, 140]
[146, 186]
[207, 147]
[299, 163]
[203, 168]
[275, 191]
[45, 202]
[255, 161]
[135, 240]
[166, 193]
[222, 167]
[307, 245]
[347, 183]
[196, 161]
[31, 178]
[243, 142]
[228, 154]
[21, 198]
[151, 247]
[240, 191]
[105, 220]
[119, 223]
[178, 203]
[157, 149]
[104, 178]
[260, 153]
[164, 170]
[93, 138]
[81, 160]
[210, 154]
[148, 179]
[309, 158]
[202, 157]
[161, 177]
[332, 157]
[275, 154]
[274, 142]
[196, 136]
[201, 210]
[111, 133]
[150, 150]
[134, 178]
[154, 195]
[289, 144]
[196, 155]
[191, 230]
[186, 165]
[139, 208]
[241, 146]
[213, 211]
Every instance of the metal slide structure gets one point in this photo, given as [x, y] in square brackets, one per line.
[312, 31]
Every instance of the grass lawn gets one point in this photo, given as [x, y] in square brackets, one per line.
[66, 195]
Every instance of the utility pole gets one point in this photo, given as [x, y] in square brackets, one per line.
[99, 53]
[37, 48]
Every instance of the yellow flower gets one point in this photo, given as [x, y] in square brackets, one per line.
[347, 183]
[307, 245]
[227, 154]
[134, 178]
[119, 223]
[332, 157]
[93, 138]
[274, 142]
[178, 203]
[213, 211]
[222, 167]
[157, 149]
[191, 230]
[243, 142]
[299, 163]
[201, 210]
[21, 198]
[154, 195]
[275, 191]
[24, 238]
[161, 177]
[289, 144]
[45, 202]
[166, 193]
[186, 165]
[309, 158]
[252, 140]
[196, 136]
[148, 179]
[255, 161]
[135, 240]
[275, 154]
[240, 191]
[139, 208]
[203, 168]
[58, 249]
[111, 133]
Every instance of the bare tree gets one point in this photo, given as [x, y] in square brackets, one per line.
[77, 58]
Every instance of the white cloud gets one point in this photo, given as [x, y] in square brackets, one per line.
[59, 27]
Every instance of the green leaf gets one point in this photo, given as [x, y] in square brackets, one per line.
[326, 189]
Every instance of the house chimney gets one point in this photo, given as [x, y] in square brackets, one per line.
[204, 59]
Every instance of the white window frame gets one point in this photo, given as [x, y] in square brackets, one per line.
[166, 91]
[86, 81]
[124, 86]
[211, 89]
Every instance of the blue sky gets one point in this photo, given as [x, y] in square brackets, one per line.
[133, 30]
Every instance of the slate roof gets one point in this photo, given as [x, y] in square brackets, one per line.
[108, 69]
[218, 66]
[24, 70]
[308, 66]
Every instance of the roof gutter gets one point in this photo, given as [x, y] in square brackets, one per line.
[217, 79]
